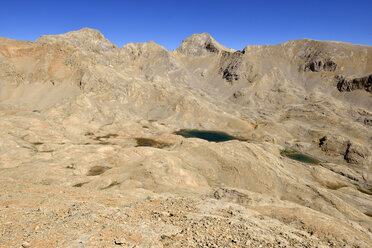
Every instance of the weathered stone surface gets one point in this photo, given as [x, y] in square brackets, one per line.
[326, 65]
[364, 83]
[230, 63]
[355, 153]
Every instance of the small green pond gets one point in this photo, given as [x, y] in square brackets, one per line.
[214, 136]
[296, 155]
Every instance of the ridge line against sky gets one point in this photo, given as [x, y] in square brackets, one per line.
[235, 24]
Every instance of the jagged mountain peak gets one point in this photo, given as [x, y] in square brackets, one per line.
[90, 42]
[86, 39]
[201, 44]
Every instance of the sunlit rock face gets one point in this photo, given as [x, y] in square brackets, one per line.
[89, 151]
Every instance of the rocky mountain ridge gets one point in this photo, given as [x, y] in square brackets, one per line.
[74, 108]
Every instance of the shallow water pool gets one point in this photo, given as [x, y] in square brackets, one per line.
[213, 136]
[302, 158]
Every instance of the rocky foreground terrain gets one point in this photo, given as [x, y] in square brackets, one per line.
[89, 156]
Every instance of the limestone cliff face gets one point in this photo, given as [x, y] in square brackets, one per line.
[72, 108]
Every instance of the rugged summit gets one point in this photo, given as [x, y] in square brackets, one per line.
[89, 156]
[201, 45]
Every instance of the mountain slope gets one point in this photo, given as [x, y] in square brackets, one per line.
[74, 108]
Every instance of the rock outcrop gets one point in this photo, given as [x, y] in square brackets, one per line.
[364, 83]
[230, 65]
[336, 146]
[319, 65]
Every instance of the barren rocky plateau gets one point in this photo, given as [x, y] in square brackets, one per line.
[89, 156]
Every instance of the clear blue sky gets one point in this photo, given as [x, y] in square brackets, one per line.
[234, 24]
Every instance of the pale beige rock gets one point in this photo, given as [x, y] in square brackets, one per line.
[72, 173]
